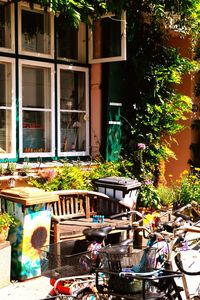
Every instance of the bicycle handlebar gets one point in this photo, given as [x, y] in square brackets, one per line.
[127, 213]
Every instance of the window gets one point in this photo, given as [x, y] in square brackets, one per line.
[7, 109]
[70, 41]
[6, 27]
[107, 41]
[36, 109]
[73, 125]
[35, 32]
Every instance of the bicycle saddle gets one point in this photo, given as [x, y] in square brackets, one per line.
[94, 233]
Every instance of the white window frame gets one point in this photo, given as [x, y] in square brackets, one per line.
[51, 109]
[93, 60]
[37, 8]
[12, 154]
[86, 71]
[12, 20]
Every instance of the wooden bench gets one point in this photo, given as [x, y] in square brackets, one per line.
[74, 211]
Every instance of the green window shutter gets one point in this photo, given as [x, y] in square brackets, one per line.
[113, 145]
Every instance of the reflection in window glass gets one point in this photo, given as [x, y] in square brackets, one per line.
[36, 106]
[72, 90]
[5, 26]
[36, 32]
[66, 39]
[5, 108]
[36, 87]
[73, 133]
[107, 42]
[70, 41]
[36, 131]
[72, 113]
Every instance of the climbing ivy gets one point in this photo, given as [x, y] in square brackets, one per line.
[153, 108]
[154, 111]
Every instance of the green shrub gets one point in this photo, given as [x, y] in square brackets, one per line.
[166, 194]
[187, 189]
[148, 196]
[77, 176]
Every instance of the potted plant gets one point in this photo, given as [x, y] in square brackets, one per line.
[25, 170]
[10, 169]
[6, 222]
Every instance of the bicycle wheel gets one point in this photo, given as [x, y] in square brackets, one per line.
[188, 262]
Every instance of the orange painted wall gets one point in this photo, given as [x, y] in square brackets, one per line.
[181, 148]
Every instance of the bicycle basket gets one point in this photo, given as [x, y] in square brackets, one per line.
[115, 259]
[57, 262]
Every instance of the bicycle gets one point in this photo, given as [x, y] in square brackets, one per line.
[87, 287]
[164, 278]
[65, 263]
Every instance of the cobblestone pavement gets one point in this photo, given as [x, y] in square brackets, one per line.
[32, 289]
[38, 288]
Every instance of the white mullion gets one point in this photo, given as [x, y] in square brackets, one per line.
[11, 108]
[87, 110]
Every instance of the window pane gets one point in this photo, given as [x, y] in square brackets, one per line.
[36, 32]
[107, 42]
[6, 108]
[66, 39]
[36, 131]
[36, 87]
[72, 90]
[5, 26]
[73, 132]
[5, 131]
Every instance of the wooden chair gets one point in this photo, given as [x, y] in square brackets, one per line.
[74, 211]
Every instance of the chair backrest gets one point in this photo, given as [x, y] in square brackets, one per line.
[83, 203]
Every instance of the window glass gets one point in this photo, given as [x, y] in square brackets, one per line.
[66, 39]
[36, 31]
[72, 90]
[73, 125]
[70, 41]
[36, 131]
[5, 25]
[107, 39]
[73, 132]
[6, 141]
[107, 30]
[36, 87]
[36, 109]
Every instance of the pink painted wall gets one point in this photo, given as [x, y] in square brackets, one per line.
[96, 109]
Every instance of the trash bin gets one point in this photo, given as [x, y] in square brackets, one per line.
[30, 207]
[120, 188]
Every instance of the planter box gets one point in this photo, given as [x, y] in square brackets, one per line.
[5, 262]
